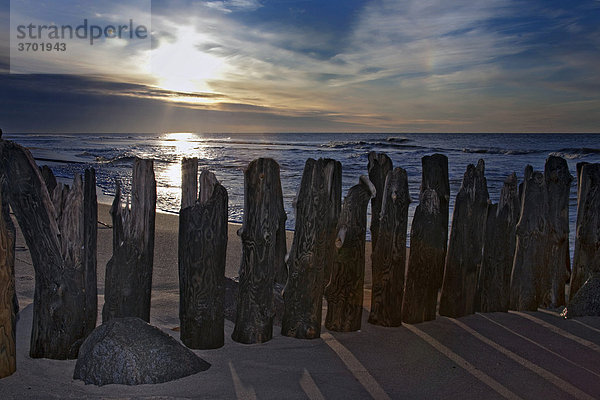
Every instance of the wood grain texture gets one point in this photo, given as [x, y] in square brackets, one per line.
[8, 317]
[428, 242]
[311, 250]
[530, 255]
[55, 238]
[586, 260]
[129, 271]
[345, 289]
[463, 259]
[334, 172]
[202, 251]
[389, 255]
[261, 256]
[558, 185]
[493, 288]
[90, 244]
[379, 166]
[189, 182]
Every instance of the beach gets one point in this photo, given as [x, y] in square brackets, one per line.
[442, 358]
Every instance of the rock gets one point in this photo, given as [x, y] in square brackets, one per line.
[129, 351]
[587, 300]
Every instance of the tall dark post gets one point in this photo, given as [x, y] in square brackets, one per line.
[345, 290]
[493, 289]
[530, 255]
[558, 185]
[202, 253]
[263, 213]
[586, 260]
[8, 317]
[311, 249]
[428, 242]
[389, 255]
[61, 314]
[129, 271]
[463, 260]
[379, 166]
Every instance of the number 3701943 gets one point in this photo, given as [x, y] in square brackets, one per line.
[27, 46]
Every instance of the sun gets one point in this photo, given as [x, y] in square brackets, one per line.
[180, 65]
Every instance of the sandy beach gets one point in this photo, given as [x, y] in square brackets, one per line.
[480, 356]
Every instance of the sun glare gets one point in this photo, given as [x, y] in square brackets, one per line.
[181, 66]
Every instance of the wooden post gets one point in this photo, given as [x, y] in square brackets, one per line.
[311, 250]
[345, 289]
[379, 166]
[493, 287]
[202, 253]
[389, 255]
[129, 271]
[558, 184]
[463, 260]
[586, 260]
[8, 317]
[49, 178]
[56, 240]
[263, 213]
[530, 255]
[334, 168]
[428, 241]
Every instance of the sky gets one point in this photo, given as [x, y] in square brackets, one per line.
[316, 66]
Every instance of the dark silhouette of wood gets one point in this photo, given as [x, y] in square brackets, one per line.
[586, 260]
[345, 289]
[389, 255]
[335, 198]
[49, 178]
[530, 253]
[311, 249]
[263, 215]
[8, 313]
[379, 166]
[129, 271]
[493, 287]
[202, 252]
[54, 230]
[463, 260]
[428, 242]
[558, 185]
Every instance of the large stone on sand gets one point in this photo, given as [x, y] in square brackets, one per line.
[129, 351]
[586, 302]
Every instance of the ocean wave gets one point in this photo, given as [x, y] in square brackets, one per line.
[499, 151]
[571, 153]
[397, 139]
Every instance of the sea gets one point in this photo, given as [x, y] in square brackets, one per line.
[227, 155]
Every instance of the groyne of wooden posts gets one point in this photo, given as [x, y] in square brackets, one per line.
[510, 255]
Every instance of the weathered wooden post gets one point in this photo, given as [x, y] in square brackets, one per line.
[202, 252]
[389, 255]
[586, 260]
[379, 166]
[463, 260]
[8, 317]
[49, 178]
[558, 185]
[263, 213]
[311, 250]
[530, 255]
[428, 242]
[55, 232]
[493, 287]
[335, 198]
[129, 271]
[345, 290]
